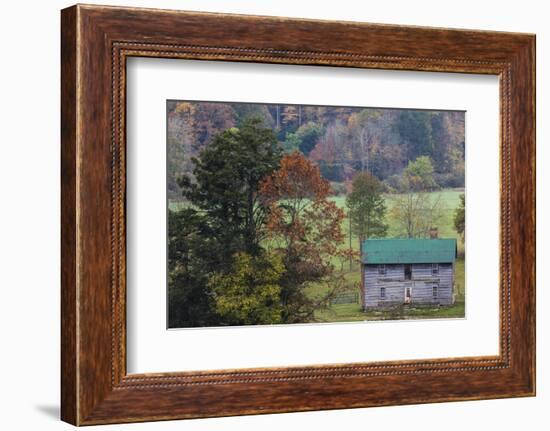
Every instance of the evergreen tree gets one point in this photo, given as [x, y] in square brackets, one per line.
[460, 213]
[367, 209]
[189, 263]
[227, 177]
[224, 218]
[415, 128]
[309, 134]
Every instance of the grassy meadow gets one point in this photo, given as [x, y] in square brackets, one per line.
[353, 312]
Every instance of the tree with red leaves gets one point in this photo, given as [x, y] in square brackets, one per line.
[307, 227]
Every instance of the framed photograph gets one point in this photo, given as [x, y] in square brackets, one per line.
[264, 214]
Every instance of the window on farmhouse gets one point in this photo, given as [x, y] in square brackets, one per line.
[408, 272]
[382, 269]
[435, 268]
[382, 292]
[434, 290]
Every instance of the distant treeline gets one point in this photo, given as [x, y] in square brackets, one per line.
[341, 141]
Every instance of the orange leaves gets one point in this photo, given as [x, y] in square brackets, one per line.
[185, 108]
[300, 214]
[297, 178]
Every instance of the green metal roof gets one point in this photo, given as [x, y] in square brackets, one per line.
[386, 251]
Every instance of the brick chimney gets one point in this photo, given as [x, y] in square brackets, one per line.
[434, 233]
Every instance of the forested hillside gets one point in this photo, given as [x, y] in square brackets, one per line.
[269, 205]
[341, 141]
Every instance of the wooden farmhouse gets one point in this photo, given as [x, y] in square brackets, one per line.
[407, 271]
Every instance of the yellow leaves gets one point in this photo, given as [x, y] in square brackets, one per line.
[250, 293]
[185, 108]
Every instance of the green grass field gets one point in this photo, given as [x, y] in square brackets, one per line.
[353, 312]
[450, 200]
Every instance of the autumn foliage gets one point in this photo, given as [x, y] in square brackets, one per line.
[257, 232]
[299, 211]
[306, 226]
[297, 178]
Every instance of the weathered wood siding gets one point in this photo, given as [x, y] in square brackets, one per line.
[421, 283]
